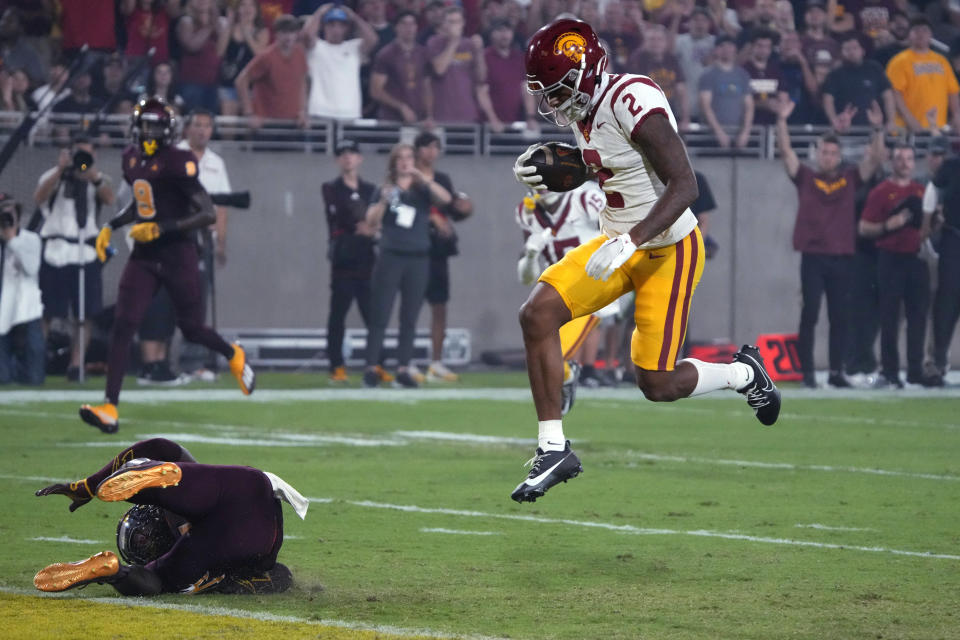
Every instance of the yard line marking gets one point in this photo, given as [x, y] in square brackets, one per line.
[789, 466]
[262, 616]
[464, 437]
[32, 478]
[630, 529]
[460, 532]
[825, 527]
[66, 539]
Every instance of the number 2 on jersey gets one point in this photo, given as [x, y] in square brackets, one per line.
[143, 194]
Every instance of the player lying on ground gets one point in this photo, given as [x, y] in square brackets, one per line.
[554, 223]
[196, 527]
[627, 136]
[168, 204]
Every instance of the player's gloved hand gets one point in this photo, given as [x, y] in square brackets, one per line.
[537, 241]
[145, 232]
[610, 256]
[74, 491]
[103, 241]
[528, 176]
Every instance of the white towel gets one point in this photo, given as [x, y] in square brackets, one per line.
[288, 494]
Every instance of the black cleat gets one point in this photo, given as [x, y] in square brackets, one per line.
[839, 381]
[548, 468]
[569, 389]
[762, 395]
[276, 580]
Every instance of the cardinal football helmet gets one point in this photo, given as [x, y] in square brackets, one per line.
[143, 534]
[564, 61]
[153, 124]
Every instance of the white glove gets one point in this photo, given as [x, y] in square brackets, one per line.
[537, 241]
[610, 256]
[529, 269]
[528, 176]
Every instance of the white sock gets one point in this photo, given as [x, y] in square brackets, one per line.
[713, 376]
[551, 435]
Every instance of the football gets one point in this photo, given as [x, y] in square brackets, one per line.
[560, 166]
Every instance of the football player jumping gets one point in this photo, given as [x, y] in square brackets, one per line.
[554, 223]
[168, 203]
[196, 527]
[650, 243]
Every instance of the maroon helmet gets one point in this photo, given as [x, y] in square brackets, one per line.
[564, 61]
[153, 124]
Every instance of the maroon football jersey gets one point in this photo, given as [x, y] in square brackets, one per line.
[162, 186]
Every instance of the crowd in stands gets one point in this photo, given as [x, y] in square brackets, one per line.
[422, 61]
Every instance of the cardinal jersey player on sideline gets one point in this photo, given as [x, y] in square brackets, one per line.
[650, 244]
[168, 203]
[552, 224]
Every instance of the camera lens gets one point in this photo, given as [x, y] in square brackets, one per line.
[82, 160]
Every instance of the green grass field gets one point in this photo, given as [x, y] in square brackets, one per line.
[691, 520]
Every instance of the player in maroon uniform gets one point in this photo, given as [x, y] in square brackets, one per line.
[196, 527]
[168, 203]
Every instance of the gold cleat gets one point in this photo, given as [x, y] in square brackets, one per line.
[385, 377]
[242, 371]
[102, 416]
[339, 375]
[128, 482]
[67, 575]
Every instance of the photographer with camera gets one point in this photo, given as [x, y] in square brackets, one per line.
[22, 350]
[70, 197]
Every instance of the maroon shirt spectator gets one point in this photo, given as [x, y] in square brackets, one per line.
[825, 210]
[89, 22]
[147, 27]
[883, 203]
[278, 76]
[506, 77]
[653, 60]
[400, 80]
[197, 34]
[458, 68]
[815, 36]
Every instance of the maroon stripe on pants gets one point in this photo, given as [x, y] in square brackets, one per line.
[672, 307]
[694, 255]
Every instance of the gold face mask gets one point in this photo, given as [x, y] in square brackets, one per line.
[150, 146]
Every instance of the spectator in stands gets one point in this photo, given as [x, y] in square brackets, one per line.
[15, 52]
[694, 50]
[400, 81]
[244, 38]
[723, 17]
[924, 85]
[840, 15]
[725, 97]
[23, 355]
[197, 34]
[764, 19]
[621, 31]
[401, 211]
[944, 15]
[854, 86]
[507, 80]
[70, 196]
[653, 60]
[117, 98]
[432, 17]
[56, 88]
[333, 62]
[784, 20]
[87, 22]
[351, 251]
[162, 84]
[892, 40]
[458, 67]
[766, 82]
[824, 235]
[799, 80]
[443, 246]
[147, 25]
[871, 17]
[946, 303]
[15, 91]
[80, 101]
[38, 18]
[278, 76]
[899, 229]
[375, 13]
[816, 37]
[271, 10]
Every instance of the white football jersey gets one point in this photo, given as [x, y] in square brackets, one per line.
[625, 174]
[574, 221]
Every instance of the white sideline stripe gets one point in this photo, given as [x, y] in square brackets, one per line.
[278, 441]
[33, 478]
[464, 437]
[626, 528]
[261, 616]
[66, 539]
[825, 527]
[460, 532]
[789, 466]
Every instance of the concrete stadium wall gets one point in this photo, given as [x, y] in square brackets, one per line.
[277, 275]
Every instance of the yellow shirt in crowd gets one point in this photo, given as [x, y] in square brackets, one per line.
[925, 80]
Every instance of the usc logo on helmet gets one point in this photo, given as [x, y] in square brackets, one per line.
[572, 45]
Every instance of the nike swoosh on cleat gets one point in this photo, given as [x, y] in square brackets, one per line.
[556, 444]
[532, 482]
